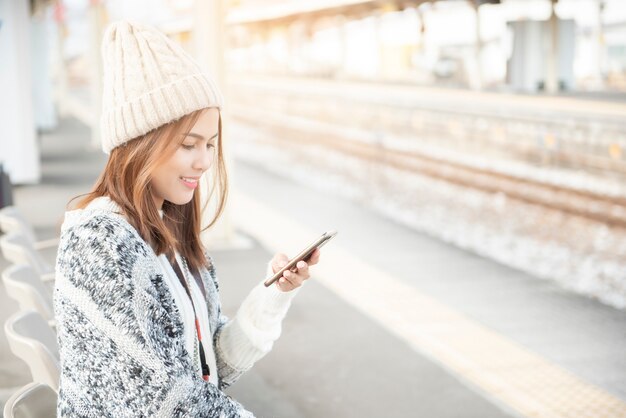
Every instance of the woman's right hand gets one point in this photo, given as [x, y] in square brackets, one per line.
[289, 279]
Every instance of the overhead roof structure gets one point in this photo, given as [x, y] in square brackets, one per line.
[288, 10]
[36, 5]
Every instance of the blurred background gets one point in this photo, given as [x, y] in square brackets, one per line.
[471, 154]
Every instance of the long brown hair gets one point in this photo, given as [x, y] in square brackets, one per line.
[126, 181]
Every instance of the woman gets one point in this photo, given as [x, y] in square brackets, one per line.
[136, 296]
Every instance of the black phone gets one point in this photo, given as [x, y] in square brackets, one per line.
[304, 255]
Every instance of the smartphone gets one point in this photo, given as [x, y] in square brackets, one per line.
[304, 255]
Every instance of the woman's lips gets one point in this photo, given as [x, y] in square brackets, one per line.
[190, 182]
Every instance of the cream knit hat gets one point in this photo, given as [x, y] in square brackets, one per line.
[148, 81]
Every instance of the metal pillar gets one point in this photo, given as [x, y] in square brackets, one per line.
[477, 81]
[601, 44]
[422, 30]
[43, 104]
[96, 24]
[60, 70]
[209, 39]
[19, 150]
[552, 85]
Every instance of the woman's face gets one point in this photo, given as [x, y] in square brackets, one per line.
[176, 179]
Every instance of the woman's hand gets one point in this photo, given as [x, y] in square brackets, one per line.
[291, 280]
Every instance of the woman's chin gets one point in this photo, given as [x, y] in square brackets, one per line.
[181, 200]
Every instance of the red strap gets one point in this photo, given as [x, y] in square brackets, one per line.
[181, 276]
[205, 376]
[198, 329]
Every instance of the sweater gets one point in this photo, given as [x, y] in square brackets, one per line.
[125, 332]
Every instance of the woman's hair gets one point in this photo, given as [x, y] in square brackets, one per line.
[126, 180]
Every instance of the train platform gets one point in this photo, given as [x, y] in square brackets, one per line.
[605, 106]
[393, 323]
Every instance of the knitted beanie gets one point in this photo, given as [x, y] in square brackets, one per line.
[149, 81]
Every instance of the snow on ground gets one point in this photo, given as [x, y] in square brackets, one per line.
[580, 254]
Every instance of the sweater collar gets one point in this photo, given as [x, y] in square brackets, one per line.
[104, 203]
[108, 204]
[99, 204]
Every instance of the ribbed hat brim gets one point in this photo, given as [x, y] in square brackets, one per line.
[158, 107]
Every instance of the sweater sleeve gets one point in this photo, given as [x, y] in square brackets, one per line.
[121, 338]
[250, 334]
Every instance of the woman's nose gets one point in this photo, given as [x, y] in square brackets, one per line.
[204, 158]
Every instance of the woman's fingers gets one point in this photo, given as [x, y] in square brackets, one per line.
[279, 261]
[303, 267]
[286, 284]
[315, 257]
[293, 279]
[296, 278]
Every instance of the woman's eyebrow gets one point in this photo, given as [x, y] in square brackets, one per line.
[200, 136]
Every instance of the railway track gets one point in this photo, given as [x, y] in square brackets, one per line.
[557, 132]
[293, 131]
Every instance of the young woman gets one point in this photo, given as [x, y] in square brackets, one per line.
[139, 325]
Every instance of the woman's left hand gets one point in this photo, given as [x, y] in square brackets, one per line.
[291, 280]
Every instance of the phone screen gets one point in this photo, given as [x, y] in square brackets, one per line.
[304, 255]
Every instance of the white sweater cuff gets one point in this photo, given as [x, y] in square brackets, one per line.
[257, 324]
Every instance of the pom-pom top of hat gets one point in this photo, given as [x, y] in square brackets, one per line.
[149, 81]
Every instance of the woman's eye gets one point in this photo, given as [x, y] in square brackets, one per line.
[192, 146]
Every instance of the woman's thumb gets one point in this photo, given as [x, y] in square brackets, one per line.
[280, 261]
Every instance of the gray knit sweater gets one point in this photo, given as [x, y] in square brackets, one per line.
[122, 338]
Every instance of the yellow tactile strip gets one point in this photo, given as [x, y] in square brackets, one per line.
[505, 371]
